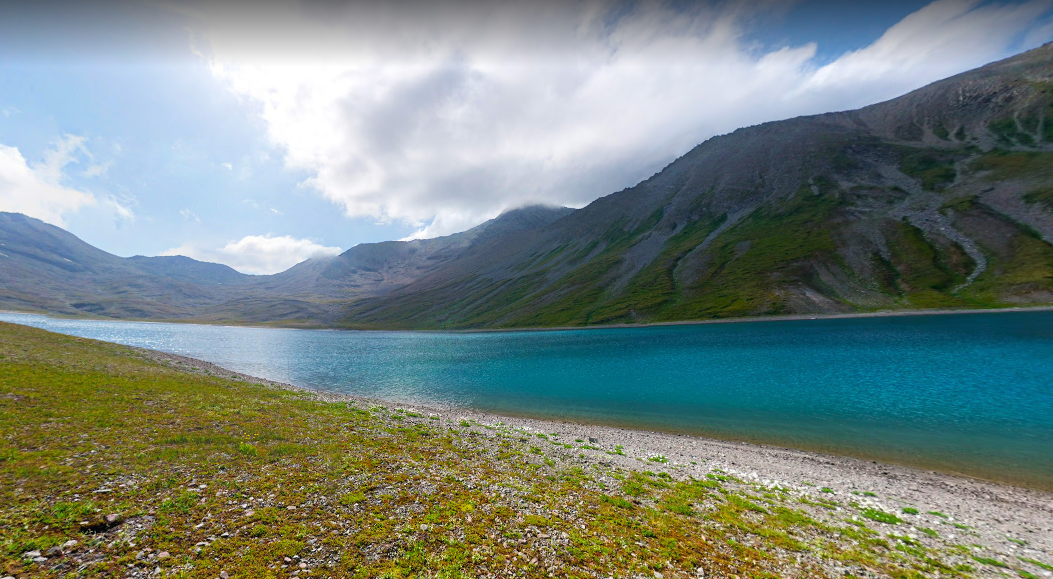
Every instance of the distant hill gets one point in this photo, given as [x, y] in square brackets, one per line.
[942, 198]
[45, 268]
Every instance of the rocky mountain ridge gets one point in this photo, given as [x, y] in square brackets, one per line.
[942, 198]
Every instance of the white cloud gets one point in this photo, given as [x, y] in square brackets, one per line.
[189, 215]
[227, 166]
[442, 117]
[62, 152]
[935, 42]
[258, 254]
[122, 209]
[36, 191]
[98, 169]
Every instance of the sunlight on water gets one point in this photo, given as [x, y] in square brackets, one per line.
[965, 393]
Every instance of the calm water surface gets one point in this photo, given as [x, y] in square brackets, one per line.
[964, 393]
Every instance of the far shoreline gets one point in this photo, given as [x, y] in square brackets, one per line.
[742, 320]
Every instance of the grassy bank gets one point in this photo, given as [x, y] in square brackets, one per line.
[115, 465]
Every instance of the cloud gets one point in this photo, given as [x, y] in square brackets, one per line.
[932, 43]
[227, 166]
[443, 114]
[122, 209]
[97, 169]
[258, 254]
[189, 215]
[62, 152]
[36, 191]
[261, 206]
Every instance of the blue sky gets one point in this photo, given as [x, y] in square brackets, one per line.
[260, 137]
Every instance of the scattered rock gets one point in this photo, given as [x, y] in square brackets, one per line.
[70, 544]
[53, 552]
[163, 555]
[223, 575]
[31, 554]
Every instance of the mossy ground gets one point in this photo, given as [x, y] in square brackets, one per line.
[211, 477]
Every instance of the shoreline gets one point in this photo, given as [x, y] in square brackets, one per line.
[743, 320]
[968, 510]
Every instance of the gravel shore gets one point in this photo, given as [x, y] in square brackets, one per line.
[1014, 522]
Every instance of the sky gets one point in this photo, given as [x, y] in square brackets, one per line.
[261, 134]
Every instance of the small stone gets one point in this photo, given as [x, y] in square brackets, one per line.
[303, 565]
[201, 544]
[112, 518]
[40, 559]
[69, 544]
[163, 555]
[249, 513]
[658, 575]
[593, 440]
[287, 560]
[54, 551]
[223, 575]
[31, 554]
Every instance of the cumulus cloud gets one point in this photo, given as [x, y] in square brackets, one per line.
[36, 191]
[258, 254]
[441, 115]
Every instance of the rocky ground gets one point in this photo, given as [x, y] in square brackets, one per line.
[1008, 522]
[116, 462]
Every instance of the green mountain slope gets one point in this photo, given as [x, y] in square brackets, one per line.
[942, 198]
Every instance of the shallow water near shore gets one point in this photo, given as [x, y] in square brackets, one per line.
[970, 394]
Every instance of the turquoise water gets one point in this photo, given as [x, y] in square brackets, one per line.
[962, 393]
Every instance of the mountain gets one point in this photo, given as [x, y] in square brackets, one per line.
[44, 268]
[942, 198]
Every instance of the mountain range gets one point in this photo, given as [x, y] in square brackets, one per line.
[941, 198]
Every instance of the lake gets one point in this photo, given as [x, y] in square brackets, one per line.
[964, 393]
